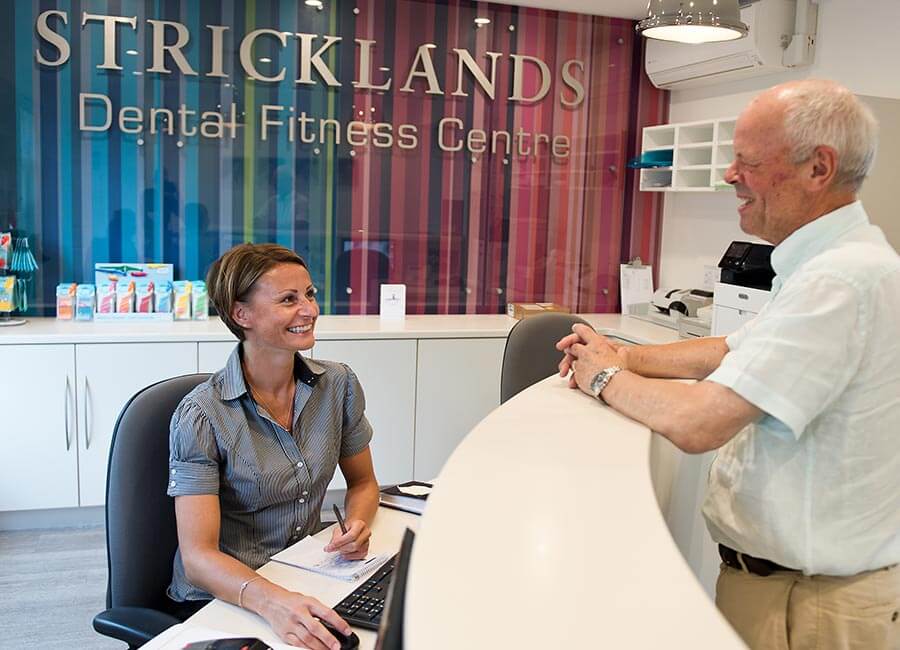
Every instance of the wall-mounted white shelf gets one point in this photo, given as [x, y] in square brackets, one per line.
[701, 154]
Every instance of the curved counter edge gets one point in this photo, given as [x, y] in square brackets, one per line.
[544, 531]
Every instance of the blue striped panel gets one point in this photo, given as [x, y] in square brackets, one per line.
[88, 197]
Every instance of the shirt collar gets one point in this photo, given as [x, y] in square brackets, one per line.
[808, 241]
[234, 386]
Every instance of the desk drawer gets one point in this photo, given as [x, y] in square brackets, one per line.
[743, 298]
[727, 320]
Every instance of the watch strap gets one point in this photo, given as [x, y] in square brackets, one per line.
[601, 379]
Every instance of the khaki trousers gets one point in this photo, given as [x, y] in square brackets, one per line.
[790, 611]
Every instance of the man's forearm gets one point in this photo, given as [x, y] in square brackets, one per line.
[691, 359]
[696, 417]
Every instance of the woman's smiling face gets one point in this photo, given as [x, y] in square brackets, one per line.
[281, 311]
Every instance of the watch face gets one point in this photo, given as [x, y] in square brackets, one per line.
[599, 382]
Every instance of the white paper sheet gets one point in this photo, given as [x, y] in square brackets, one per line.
[636, 285]
[415, 490]
[308, 554]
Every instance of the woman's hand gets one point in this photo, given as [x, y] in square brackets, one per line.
[294, 617]
[352, 545]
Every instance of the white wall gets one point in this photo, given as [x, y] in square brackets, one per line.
[857, 45]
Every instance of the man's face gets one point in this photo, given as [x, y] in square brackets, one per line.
[764, 178]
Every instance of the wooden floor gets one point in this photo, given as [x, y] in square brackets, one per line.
[52, 583]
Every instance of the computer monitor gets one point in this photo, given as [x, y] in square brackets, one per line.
[390, 632]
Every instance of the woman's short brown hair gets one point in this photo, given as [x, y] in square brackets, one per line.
[230, 279]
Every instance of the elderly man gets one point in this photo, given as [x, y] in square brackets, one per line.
[803, 403]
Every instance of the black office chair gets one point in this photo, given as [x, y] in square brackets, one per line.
[141, 537]
[530, 353]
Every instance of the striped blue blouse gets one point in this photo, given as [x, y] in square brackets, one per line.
[271, 482]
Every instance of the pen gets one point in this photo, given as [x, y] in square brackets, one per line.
[337, 513]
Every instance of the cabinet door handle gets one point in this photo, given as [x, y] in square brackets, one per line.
[87, 430]
[68, 439]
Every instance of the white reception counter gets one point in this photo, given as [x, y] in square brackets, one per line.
[544, 532]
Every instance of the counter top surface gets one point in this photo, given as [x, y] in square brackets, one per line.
[50, 330]
[543, 531]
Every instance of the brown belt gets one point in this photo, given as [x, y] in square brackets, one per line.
[742, 562]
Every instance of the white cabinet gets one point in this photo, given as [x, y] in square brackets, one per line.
[109, 374]
[458, 384]
[387, 371]
[61, 403]
[699, 152]
[733, 306]
[211, 356]
[38, 443]
[727, 320]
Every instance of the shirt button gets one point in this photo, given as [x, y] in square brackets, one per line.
[299, 464]
[302, 500]
[298, 529]
[173, 472]
[172, 484]
[305, 492]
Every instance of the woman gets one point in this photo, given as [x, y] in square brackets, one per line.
[252, 449]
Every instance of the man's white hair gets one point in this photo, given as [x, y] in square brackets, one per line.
[820, 112]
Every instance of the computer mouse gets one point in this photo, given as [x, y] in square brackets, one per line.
[350, 642]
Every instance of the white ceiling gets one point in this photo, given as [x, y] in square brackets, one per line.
[612, 8]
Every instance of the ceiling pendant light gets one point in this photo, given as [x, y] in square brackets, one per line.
[693, 21]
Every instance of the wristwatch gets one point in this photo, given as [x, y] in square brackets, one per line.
[601, 379]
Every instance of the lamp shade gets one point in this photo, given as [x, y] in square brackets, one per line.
[693, 21]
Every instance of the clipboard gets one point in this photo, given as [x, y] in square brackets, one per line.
[636, 284]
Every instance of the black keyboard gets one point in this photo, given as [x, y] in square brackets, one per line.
[364, 605]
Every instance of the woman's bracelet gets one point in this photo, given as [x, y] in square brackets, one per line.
[244, 586]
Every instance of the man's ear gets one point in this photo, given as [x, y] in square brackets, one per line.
[824, 167]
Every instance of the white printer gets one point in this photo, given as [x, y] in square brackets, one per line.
[746, 275]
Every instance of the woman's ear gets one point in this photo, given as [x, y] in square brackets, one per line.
[240, 314]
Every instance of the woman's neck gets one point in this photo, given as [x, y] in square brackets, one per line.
[268, 370]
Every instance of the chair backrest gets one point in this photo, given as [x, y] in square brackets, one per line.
[141, 537]
[530, 354]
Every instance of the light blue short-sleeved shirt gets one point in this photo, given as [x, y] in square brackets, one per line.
[270, 482]
[815, 483]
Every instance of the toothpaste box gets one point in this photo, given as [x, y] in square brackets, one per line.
[84, 301]
[8, 293]
[65, 300]
[181, 299]
[199, 300]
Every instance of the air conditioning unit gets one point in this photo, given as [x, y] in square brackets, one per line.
[680, 65]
